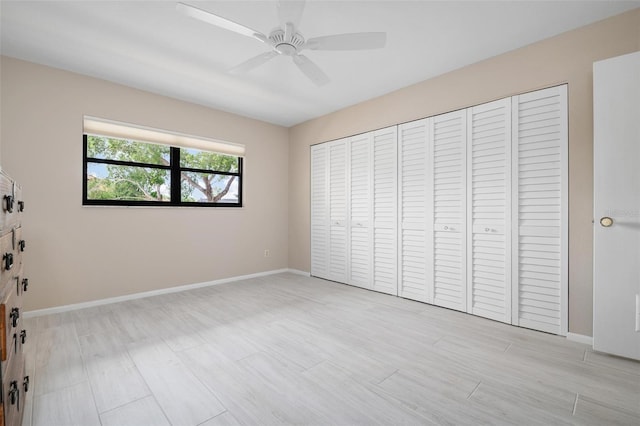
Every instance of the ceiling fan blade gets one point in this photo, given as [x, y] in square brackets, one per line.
[219, 21]
[254, 62]
[353, 41]
[290, 11]
[311, 70]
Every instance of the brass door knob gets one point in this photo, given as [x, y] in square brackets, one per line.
[606, 221]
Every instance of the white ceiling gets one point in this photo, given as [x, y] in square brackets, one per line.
[150, 46]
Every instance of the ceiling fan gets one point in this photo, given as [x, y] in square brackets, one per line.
[286, 40]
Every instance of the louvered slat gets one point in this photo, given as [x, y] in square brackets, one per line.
[449, 140]
[539, 168]
[360, 210]
[385, 233]
[413, 163]
[488, 210]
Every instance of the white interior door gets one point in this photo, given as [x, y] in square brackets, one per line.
[337, 183]
[448, 238]
[412, 206]
[489, 210]
[385, 210]
[539, 210]
[617, 205]
[360, 210]
[319, 212]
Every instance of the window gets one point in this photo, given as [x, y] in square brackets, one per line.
[129, 172]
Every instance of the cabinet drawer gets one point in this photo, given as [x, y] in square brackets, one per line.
[14, 384]
[19, 244]
[10, 322]
[11, 260]
[10, 205]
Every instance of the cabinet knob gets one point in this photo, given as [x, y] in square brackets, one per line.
[21, 245]
[25, 284]
[25, 384]
[8, 261]
[9, 200]
[20, 206]
[23, 336]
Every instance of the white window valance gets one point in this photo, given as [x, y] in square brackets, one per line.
[115, 129]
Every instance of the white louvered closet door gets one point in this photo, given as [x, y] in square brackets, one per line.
[413, 214]
[449, 240]
[337, 182]
[489, 210]
[360, 235]
[540, 175]
[319, 211]
[385, 203]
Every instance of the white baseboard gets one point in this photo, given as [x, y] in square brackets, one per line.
[299, 272]
[99, 302]
[580, 338]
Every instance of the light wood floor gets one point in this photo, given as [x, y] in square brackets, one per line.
[288, 349]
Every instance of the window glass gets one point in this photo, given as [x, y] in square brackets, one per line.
[209, 188]
[126, 183]
[124, 150]
[126, 172]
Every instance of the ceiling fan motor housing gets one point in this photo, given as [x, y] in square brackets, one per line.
[284, 46]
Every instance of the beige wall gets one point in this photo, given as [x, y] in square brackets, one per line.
[78, 254]
[565, 58]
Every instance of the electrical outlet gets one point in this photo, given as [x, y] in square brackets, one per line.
[266, 253]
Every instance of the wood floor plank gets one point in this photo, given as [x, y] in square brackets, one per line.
[224, 419]
[143, 412]
[242, 396]
[69, 406]
[611, 361]
[359, 402]
[181, 395]
[515, 406]
[594, 412]
[114, 378]
[439, 405]
[58, 359]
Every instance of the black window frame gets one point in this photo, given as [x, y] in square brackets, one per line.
[175, 172]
